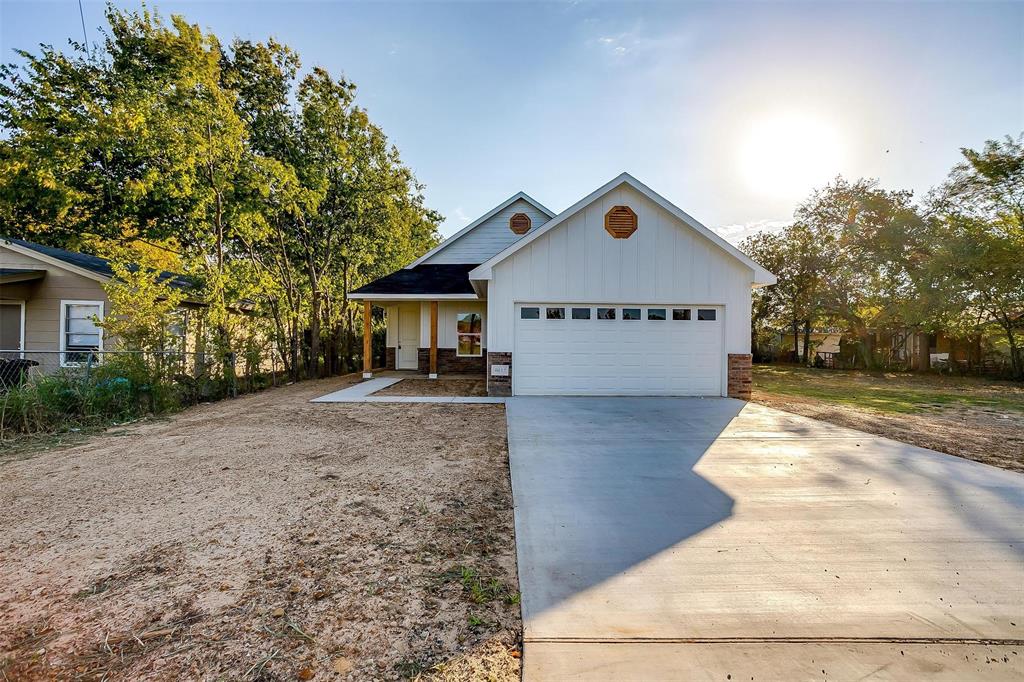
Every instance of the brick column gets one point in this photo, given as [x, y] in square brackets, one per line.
[501, 385]
[740, 380]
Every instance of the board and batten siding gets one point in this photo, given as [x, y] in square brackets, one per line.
[446, 315]
[489, 237]
[664, 261]
[42, 298]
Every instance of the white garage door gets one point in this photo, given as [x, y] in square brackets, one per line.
[581, 349]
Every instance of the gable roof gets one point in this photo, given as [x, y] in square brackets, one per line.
[761, 276]
[435, 279]
[480, 221]
[84, 264]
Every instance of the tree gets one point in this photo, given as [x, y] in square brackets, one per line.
[343, 208]
[798, 256]
[767, 304]
[872, 249]
[975, 276]
[264, 185]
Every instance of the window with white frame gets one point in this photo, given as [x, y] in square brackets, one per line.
[469, 327]
[80, 336]
[174, 338]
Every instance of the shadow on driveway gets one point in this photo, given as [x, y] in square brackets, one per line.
[609, 481]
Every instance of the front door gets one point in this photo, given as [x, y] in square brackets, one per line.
[10, 330]
[408, 335]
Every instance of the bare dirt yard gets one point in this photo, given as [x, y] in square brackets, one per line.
[971, 417]
[442, 386]
[265, 538]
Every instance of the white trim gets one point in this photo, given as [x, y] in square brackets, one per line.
[21, 340]
[479, 334]
[414, 297]
[761, 276]
[469, 228]
[50, 260]
[64, 303]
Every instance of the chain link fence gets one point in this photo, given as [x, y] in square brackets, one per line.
[52, 390]
[263, 368]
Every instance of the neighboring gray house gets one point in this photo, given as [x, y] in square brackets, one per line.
[49, 298]
[620, 294]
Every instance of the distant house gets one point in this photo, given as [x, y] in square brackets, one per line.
[900, 347]
[622, 293]
[50, 299]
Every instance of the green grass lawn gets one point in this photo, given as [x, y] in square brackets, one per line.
[890, 392]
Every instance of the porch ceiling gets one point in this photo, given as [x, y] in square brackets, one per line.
[15, 275]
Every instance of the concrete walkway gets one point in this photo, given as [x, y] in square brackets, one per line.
[698, 539]
[361, 393]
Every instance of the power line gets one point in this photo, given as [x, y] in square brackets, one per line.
[85, 36]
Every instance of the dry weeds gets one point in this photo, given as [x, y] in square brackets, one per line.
[265, 538]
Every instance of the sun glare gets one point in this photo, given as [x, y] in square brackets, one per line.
[786, 154]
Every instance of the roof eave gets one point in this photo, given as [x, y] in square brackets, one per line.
[760, 275]
[50, 260]
[19, 277]
[413, 297]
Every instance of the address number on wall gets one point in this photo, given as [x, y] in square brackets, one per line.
[499, 370]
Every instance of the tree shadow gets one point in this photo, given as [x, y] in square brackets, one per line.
[607, 491]
[987, 499]
[608, 480]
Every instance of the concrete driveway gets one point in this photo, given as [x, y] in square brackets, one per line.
[691, 539]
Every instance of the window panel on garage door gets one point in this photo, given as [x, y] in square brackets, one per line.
[617, 356]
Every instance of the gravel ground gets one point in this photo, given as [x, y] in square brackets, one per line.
[265, 538]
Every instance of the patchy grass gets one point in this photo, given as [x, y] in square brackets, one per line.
[889, 392]
[971, 417]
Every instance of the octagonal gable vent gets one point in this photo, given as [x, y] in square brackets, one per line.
[620, 222]
[519, 223]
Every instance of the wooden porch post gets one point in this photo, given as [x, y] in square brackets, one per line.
[433, 339]
[367, 341]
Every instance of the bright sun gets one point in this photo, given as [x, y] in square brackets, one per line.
[787, 154]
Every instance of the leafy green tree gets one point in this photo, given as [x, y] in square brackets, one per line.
[767, 303]
[266, 186]
[975, 274]
[872, 246]
[798, 256]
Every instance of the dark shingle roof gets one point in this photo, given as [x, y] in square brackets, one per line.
[101, 266]
[423, 279]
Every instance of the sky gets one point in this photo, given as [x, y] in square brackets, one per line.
[733, 111]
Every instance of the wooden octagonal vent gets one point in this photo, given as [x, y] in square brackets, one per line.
[620, 222]
[519, 223]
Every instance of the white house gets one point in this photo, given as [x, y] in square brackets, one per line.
[622, 293]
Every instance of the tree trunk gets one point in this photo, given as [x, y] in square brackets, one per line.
[293, 349]
[1016, 361]
[923, 356]
[796, 340]
[314, 335]
[348, 338]
[807, 341]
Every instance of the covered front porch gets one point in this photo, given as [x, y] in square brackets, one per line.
[433, 337]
